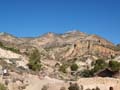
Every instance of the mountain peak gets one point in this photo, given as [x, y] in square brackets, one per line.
[74, 31]
[6, 34]
[49, 34]
[3, 33]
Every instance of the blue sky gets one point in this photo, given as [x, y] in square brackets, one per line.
[36, 17]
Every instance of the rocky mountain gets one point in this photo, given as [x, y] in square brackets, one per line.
[57, 54]
[73, 45]
[8, 38]
[74, 42]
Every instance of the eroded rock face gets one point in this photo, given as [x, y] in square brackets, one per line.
[82, 47]
[104, 51]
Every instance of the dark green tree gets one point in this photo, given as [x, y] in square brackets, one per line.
[1, 44]
[99, 64]
[63, 68]
[114, 65]
[34, 61]
[86, 73]
[74, 67]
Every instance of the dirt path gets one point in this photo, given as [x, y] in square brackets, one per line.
[54, 84]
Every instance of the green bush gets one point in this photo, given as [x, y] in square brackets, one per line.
[63, 68]
[12, 49]
[1, 44]
[87, 73]
[2, 87]
[34, 61]
[74, 67]
[114, 65]
[99, 64]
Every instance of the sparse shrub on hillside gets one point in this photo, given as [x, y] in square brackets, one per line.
[63, 68]
[1, 44]
[2, 87]
[34, 61]
[99, 64]
[87, 73]
[114, 65]
[12, 49]
[74, 67]
[9, 48]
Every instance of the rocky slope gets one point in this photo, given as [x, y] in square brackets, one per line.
[74, 44]
[55, 50]
[59, 47]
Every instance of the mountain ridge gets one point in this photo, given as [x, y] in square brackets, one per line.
[74, 32]
[81, 43]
